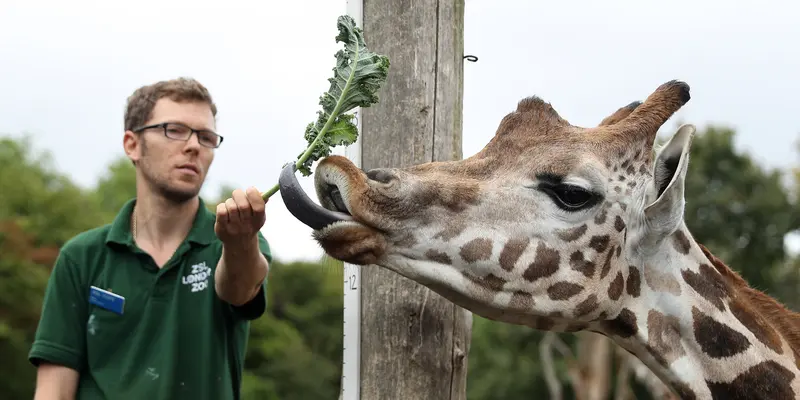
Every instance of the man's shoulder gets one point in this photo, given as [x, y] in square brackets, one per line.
[91, 240]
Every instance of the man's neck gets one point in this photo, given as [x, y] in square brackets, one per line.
[696, 325]
[161, 225]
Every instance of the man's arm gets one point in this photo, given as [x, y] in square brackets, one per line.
[243, 267]
[240, 272]
[55, 382]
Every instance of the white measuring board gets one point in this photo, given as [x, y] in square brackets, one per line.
[351, 350]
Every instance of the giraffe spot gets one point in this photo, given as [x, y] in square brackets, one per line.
[476, 250]
[623, 206]
[587, 306]
[630, 170]
[563, 290]
[664, 337]
[606, 264]
[619, 251]
[708, 284]
[572, 234]
[438, 256]
[631, 184]
[491, 281]
[407, 241]
[681, 242]
[634, 283]
[755, 323]
[600, 218]
[626, 164]
[581, 264]
[661, 281]
[599, 242]
[716, 339]
[544, 324]
[511, 252]
[521, 301]
[544, 265]
[683, 390]
[615, 289]
[617, 189]
[575, 327]
[765, 380]
[451, 231]
[624, 325]
[619, 224]
[621, 178]
[643, 169]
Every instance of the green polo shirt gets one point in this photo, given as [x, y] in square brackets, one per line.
[175, 339]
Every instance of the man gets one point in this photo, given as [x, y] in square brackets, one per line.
[190, 281]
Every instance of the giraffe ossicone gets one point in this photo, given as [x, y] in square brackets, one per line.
[567, 228]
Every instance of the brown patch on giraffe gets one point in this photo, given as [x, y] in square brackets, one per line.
[521, 301]
[575, 327]
[757, 325]
[587, 306]
[765, 380]
[681, 242]
[544, 323]
[512, 251]
[619, 251]
[683, 390]
[606, 264]
[578, 262]
[623, 326]
[438, 256]
[630, 170]
[491, 281]
[643, 169]
[631, 184]
[599, 243]
[477, 249]
[708, 284]
[661, 281]
[619, 224]
[572, 234]
[785, 321]
[664, 337]
[563, 290]
[544, 265]
[600, 218]
[715, 338]
[615, 289]
[634, 284]
[450, 231]
[406, 241]
[617, 189]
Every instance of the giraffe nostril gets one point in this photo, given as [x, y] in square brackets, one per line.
[381, 175]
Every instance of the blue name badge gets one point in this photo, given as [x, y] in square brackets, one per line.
[105, 299]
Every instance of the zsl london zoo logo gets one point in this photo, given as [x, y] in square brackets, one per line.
[198, 278]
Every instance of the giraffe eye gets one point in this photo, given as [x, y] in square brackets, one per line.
[570, 197]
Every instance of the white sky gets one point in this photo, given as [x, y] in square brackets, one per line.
[66, 69]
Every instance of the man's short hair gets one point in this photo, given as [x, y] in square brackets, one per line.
[140, 104]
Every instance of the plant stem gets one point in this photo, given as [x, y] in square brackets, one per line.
[325, 128]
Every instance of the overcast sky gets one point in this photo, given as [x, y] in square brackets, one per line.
[66, 69]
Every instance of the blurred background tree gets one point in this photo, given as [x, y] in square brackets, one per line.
[739, 209]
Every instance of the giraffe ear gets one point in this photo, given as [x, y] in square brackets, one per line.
[665, 213]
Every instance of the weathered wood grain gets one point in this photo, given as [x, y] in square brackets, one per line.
[414, 343]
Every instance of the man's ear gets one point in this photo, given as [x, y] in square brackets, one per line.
[665, 213]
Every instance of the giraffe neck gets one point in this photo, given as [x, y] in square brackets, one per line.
[698, 326]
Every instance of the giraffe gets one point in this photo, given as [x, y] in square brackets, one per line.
[566, 228]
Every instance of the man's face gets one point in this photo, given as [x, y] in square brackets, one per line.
[175, 169]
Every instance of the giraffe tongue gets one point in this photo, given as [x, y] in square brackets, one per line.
[301, 206]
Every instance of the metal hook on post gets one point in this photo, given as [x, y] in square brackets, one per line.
[471, 58]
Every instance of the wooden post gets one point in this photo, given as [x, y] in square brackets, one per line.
[414, 343]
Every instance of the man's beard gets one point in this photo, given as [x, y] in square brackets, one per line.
[161, 187]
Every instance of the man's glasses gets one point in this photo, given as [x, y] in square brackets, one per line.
[182, 132]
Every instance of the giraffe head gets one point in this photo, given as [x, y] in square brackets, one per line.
[538, 228]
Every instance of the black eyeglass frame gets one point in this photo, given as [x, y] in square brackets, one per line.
[192, 131]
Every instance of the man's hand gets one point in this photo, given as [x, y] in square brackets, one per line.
[240, 218]
[242, 268]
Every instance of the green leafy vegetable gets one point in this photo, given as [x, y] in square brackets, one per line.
[358, 75]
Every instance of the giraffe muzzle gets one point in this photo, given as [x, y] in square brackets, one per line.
[301, 206]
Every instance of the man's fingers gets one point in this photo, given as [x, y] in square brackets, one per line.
[255, 200]
[242, 203]
[222, 212]
[233, 210]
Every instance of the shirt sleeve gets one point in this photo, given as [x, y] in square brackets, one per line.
[256, 307]
[60, 336]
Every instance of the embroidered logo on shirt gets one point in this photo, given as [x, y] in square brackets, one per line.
[198, 278]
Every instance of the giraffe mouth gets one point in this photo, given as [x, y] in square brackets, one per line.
[304, 209]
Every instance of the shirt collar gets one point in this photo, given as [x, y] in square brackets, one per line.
[202, 231]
